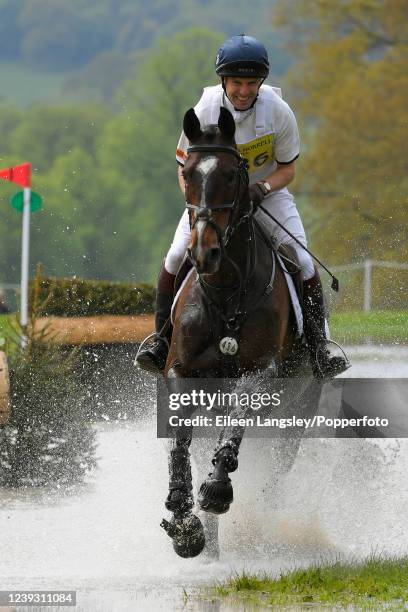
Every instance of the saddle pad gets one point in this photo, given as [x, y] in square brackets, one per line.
[293, 296]
[292, 292]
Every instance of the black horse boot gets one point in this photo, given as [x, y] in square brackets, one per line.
[216, 494]
[324, 366]
[153, 358]
[185, 528]
[179, 499]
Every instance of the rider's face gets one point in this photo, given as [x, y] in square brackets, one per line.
[242, 91]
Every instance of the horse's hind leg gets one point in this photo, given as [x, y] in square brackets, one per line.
[202, 451]
[210, 525]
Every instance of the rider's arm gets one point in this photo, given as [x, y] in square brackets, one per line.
[181, 179]
[282, 176]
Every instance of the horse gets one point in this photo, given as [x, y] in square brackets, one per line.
[233, 317]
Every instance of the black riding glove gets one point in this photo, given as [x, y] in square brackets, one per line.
[256, 195]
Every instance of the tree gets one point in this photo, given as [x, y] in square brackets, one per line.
[57, 35]
[138, 154]
[351, 87]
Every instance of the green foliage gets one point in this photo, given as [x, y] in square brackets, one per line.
[47, 133]
[378, 326]
[139, 145]
[365, 584]
[75, 297]
[47, 440]
[56, 35]
[352, 86]
[100, 79]
[10, 30]
[23, 86]
[110, 189]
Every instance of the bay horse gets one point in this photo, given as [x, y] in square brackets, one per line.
[233, 316]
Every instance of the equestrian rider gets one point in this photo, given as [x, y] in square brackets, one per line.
[267, 136]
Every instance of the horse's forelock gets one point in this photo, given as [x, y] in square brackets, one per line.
[211, 134]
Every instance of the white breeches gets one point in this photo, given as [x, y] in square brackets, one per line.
[281, 205]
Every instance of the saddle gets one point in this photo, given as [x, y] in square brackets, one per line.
[287, 253]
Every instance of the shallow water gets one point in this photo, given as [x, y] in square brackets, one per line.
[342, 499]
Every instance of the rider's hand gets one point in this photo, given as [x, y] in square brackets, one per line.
[256, 195]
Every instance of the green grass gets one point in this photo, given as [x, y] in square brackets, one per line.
[8, 329]
[367, 585]
[389, 326]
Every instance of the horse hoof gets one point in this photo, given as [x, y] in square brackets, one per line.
[215, 495]
[187, 534]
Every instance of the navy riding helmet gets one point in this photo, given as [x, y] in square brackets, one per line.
[242, 56]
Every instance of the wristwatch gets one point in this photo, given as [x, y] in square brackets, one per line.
[266, 188]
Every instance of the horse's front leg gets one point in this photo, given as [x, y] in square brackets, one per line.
[216, 493]
[185, 528]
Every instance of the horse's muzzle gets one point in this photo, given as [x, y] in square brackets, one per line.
[206, 261]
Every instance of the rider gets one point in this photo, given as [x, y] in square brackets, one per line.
[267, 136]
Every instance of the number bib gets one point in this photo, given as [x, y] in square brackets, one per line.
[257, 152]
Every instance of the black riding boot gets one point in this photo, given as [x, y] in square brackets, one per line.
[323, 365]
[153, 357]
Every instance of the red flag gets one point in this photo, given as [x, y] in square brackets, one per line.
[18, 174]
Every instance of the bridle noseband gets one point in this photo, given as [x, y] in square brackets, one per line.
[204, 213]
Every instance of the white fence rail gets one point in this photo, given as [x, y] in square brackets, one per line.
[368, 266]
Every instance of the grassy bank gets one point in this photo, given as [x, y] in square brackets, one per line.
[386, 326]
[370, 586]
[345, 327]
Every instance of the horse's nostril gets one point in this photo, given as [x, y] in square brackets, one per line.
[213, 253]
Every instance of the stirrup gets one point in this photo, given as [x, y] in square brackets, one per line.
[343, 363]
[149, 364]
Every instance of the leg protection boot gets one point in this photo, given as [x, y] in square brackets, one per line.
[153, 358]
[180, 499]
[323, 365]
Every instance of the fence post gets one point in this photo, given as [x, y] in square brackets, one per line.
[368, 266]
[4, 390]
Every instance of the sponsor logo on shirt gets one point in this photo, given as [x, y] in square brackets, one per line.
[257, 152]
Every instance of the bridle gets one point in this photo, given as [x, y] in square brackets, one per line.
[204, 213]
[232, 320]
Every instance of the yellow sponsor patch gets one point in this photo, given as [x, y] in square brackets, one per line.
[257, 152]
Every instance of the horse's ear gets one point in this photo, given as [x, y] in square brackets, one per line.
[191, 125]
[226, 123]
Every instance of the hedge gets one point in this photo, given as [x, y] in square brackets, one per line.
[76, 297]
